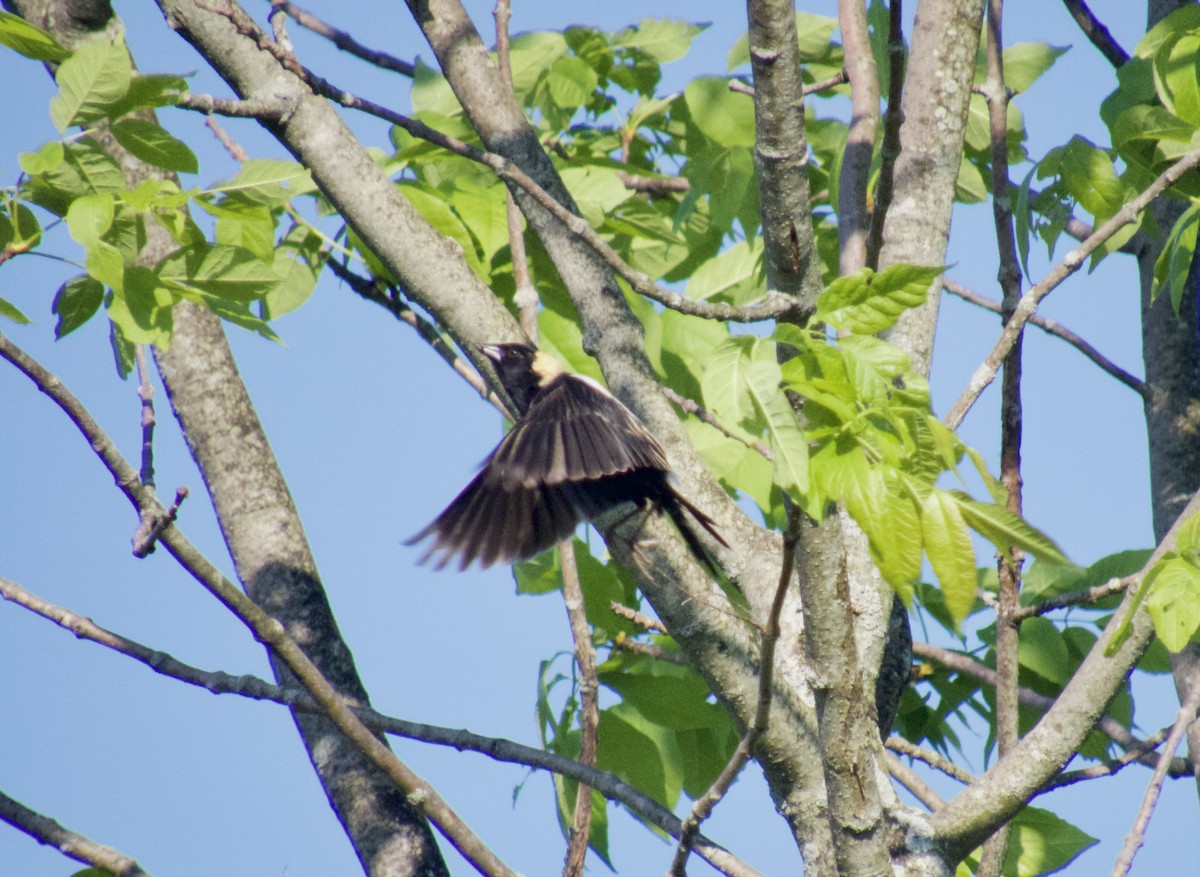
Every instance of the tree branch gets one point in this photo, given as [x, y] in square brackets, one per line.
[1095, 31]
[1071, 263]
[46, 831]
[854, 218]
[893, 119]
[1053, 327]
[265, 628]
[343, 40]
[702, 808]
[1137, 834]
[295, 697]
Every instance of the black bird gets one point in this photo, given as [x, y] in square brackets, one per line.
[574, 453]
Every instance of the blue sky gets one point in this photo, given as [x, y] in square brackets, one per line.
[357, 409]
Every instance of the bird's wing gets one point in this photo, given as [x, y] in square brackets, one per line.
[494, 523]
[574, 431]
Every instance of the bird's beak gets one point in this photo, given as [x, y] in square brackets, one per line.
[491, 351]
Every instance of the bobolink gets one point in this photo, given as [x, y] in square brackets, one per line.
[574, 453]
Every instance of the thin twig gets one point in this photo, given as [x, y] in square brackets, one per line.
[643, 621]
[1079, 598]
[839, 78]
[1056, 329]
[654, 185]
[908, 778]
[1010, 561]
[893, 119]
[623, 643]
[294, 697]
[1109, 768]
[265, 628]
[236, 151]
[344, 41]
[267, 110]
[45, 830]
[703, 806]
[1070, 263]
[589, 692]
[377, 291]
[693, 407]
[154, 523]
[933, 759]
[1137, 834]
[1095, 31]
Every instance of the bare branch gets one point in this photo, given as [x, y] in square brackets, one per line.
[1137, 834]
[344, 41]
[854, 217]
[264, 627]
[45, 830]
[589, 692]
[908, 778]
[1071, 263]
[703, 806]
[1095, 31]
[1081, 598]
[1056, 329]
[1109, 768]
[294, 697]
[933, 759]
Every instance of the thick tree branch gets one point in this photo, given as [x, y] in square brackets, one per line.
[854, 217]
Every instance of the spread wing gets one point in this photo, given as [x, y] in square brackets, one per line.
[494, 523]
[574, 431]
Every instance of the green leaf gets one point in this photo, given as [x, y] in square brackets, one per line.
[105, 263]
[1174, 262]
[86, 169]
[149, 91]
[1005, 530]
[1024, 63]
[10, 311]
[814, 32]
[725, 117]
[1043, 650]
[298, 260]
[1177, 76]
[92, 79]
[123, 351]
[951, 554]
[640, 752]
[155, 145]
[20, 229]
[663, 39]
[867, 302]
[29, 40]
[1187, 537]
[76, 302]
[223, 271]
[142, 308]
[46, 159]
[1041, 842]
[1174, 602]
[89, 217]
[724, 382]
[735, 275]
[268, 181]
[571, 81]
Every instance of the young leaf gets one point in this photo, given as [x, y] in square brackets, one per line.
[89, 217]
[1174, 602]
[724, 116]
[96, 76]
[951, 554]
[45, 160]
[219, 270]
[10, 311]
[1006, 530]
[866, 302]
[1175, 260]
[1041, 842]
[29, 40]
[155, 145]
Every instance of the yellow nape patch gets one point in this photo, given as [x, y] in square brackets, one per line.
[546, 367]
